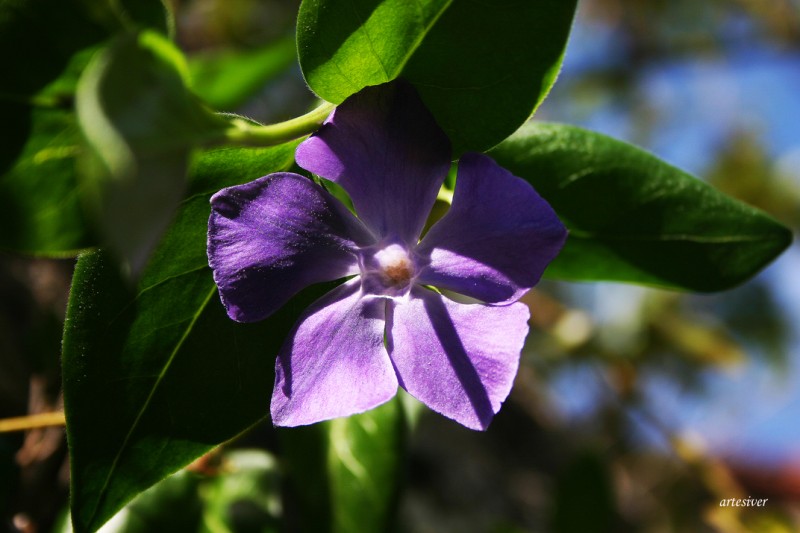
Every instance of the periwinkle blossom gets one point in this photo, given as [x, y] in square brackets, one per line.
[385, 326]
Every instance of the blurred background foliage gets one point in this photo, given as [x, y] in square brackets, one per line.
[634, 410]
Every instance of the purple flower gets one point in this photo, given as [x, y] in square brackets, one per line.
[385, 326]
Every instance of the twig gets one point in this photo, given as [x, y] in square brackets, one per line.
[24, 423]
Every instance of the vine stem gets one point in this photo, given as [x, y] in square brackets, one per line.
[246, 133]
[24, 423]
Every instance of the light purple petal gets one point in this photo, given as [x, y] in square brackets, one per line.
[460, 360]
[384, 147]
[334, 362]
[270, 238]
[497, 238]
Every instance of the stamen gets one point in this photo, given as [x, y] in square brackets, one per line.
[398, 273]
[389, 271]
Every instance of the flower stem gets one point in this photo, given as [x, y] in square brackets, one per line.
[24, 423]
[246, 133]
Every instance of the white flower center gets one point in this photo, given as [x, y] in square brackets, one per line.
[394, 265]
[388, 270]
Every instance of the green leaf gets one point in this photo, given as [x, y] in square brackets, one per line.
[226, 79]
[141, 124]
[236, 491]
[37, 158]
[634, 218]
[40, 194]
[172, 505]
[347, 473]
[158, 375]
[42, 213]
[246, 496]
[38, 39]
[366, 460]
[120, 15]
[481, 67]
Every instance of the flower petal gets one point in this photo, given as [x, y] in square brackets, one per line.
[334, 362]
[270, 238]
[460, 360]
[497, 238]
[384, 147]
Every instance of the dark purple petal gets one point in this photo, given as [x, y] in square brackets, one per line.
[497, 238]
[334, 362]
[460, 360]
[384, 147]
[270, 238]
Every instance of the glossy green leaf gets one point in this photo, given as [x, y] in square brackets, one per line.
[481, 67]
[347, 473]
[141, 124]
[634, 218]
[226, 79]
[157, 375]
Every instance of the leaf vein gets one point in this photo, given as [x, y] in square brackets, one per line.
[176, 349]
[421, 36]
[363, 28]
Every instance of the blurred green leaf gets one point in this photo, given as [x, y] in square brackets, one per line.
[366, 459]
[171, 505]
[347, 472]
[118, 15]
[38, 39]
[158, 375]
[226, 79]
[42, 213]
[246, 495]
[482, 68]
[141, 124]
[634, 218]
[236, 491]
[44, 46]
[42, 209]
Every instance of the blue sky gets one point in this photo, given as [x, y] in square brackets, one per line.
[697, 103]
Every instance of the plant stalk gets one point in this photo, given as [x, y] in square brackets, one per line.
[24, 423]
[246, 133]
